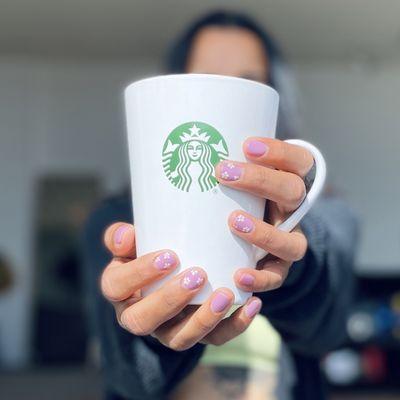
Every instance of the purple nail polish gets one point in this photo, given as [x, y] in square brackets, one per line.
[230, 171]
[192, 279]
[220, 302]
[253, 308]
[256, 148]
[165, 260]
[246, 280]
[119, 234]
[243, 224]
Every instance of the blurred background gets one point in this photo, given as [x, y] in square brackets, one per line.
[63, 67]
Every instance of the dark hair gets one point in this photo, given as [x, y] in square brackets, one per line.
[179, 52]
[178, 55]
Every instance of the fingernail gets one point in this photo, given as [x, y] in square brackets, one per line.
[165, 260]
[243, 224]
[256, 148]
[230, 171]
[246, 280]
[220, 302]
[192, 279]
[253, 308]
[119, 234]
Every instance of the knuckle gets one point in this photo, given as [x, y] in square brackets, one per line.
[179, 344]
[272, 281]
[280, 152]
[175, 346]
[203, 325]
[277, 282]
[171, 301]
[134, 323]
[264, 284]
[300, 248]
[298, 191]
[139, 273]
[308, 160]
[266, 238]
[259, 176]
[120, 323]
[107, 285]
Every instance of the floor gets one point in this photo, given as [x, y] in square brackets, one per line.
[85, 384]
[51, 384]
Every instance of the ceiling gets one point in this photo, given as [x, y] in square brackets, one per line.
[307, 29]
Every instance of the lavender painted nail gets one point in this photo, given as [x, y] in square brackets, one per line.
[243, 224]
[220, 302]
[253, 308]
[256, 148]
[192, 279]
[119, 234]
[246, 280]
[230, 171]
[165, 260]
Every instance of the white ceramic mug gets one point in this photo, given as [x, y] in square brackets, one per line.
[179, 127]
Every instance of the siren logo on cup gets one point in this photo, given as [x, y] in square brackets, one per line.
[190, 153]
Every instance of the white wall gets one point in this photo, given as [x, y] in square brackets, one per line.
[68, 116]
[55, 116]
[352, 112]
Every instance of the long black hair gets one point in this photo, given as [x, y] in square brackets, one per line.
[278, 76]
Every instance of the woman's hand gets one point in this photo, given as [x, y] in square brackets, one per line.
[275, 172]
[165, 313]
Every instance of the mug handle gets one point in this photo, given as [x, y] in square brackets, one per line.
[312, 195]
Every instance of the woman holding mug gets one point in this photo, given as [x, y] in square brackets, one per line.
[151, 344]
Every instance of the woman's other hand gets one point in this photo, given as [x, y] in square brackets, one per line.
[165, 313]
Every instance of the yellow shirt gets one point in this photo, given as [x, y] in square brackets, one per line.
[257, 348]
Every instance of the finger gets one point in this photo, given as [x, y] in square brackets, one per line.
[271, 276]
[278, 154]
[202, 321]
[285, 188]
[235, 324]
[119, 238]
[149, 313]
[121, 306]
[169, 329]
[290, 246]
[121, 279]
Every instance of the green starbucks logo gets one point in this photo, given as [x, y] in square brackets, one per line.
[189, 155]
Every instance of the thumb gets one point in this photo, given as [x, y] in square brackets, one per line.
[119, 238]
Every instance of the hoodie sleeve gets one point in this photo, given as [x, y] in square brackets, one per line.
[311, 307]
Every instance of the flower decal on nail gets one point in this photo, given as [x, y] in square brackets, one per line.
[230, 171]
[243, 224]
[164, 260]
[192, 279]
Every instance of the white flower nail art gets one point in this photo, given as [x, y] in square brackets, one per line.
[199, 279]
[225, 175]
